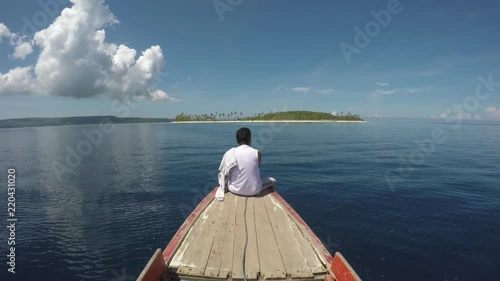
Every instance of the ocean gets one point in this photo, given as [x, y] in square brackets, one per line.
[400, 199]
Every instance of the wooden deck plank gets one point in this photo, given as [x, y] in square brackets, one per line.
[205, 240]
[252, 265]
[271, 263]
[196, 255]
[307, 248]
[295, 264]
[226, 262]
[179, 257]
[215, 258]
[176, 241]
[238, 240]
[323, 254]
[308, 251]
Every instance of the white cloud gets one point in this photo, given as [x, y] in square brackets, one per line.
[76, 61]
[493, 112]
[301, 89]
[17, 81]
[412, 90]
[161, 95]
[325, 91]
[309, 89]
[379, 93]
[334, 113]
[22, 50]
[4, 32]
[123, 59]
[382, 84]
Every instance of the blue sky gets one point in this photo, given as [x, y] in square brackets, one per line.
[262, 56]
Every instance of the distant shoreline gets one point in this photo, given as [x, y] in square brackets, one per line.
[76, 121]
[268, 121]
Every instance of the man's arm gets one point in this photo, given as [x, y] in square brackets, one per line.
[260, 156]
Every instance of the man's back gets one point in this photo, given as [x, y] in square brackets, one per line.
[245, 178]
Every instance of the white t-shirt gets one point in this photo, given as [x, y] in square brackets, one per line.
[245, 179]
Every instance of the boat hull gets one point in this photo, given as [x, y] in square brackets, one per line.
[164, 265]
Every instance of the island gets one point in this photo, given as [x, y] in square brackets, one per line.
[282, 116]
[81, 120]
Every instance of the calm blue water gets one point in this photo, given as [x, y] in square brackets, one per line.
[103, 220]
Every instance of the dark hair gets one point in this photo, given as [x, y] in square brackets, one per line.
[243, 136]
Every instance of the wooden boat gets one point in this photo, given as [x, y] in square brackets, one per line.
[280, 246]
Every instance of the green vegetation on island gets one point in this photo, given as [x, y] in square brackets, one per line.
[273, 116]
[83, 120]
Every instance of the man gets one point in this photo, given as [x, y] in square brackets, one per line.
[240, 166]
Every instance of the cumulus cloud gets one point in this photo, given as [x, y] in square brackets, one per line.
[382, 84]
[4, 32]
[161, 95]
[21, 48]
[17, 81]
[493, 112]
[75, 59]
